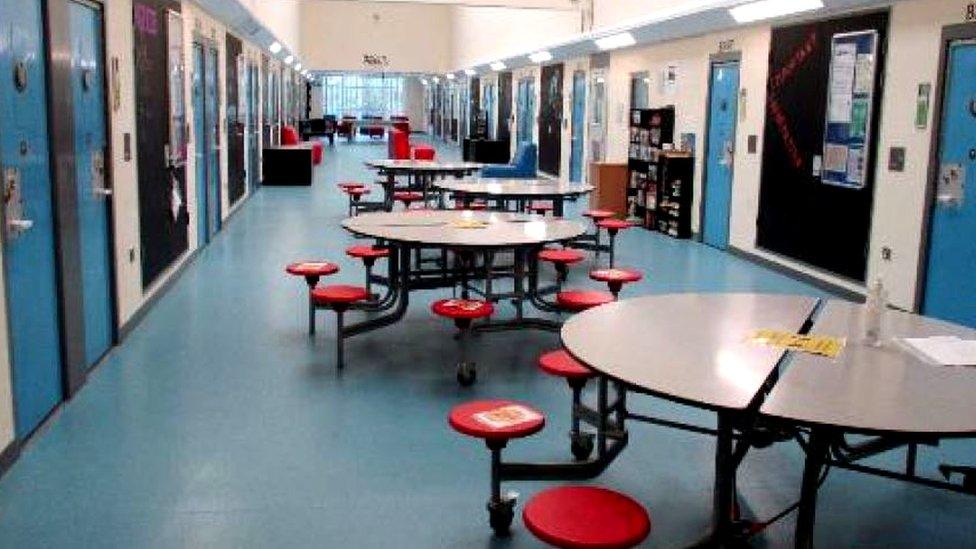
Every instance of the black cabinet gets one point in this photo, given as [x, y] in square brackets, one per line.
[487, 151]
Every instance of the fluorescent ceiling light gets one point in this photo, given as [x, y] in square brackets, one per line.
[290, 59]
[275, 47]
[540, 57]
[615, 41]
[768, 9]
[470, 72]
[298, 66]
[497, 66]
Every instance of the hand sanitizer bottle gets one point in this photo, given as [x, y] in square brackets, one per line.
[875, 307]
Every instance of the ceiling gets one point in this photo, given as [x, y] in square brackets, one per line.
[523, 4]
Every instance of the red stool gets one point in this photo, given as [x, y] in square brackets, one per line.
[578, 517]
[423, 152]
[344, 186]
[561, 364]
[407, 197]
[463, 312]
[474, 205]
[613, 226]
[581, 300]
[369, 255]
[616, 278]
[311, 271]
[496, 422]
[355, 195]
[540, 208]
[317, 152]
[339, 298]
[597, 216]
[561, 260]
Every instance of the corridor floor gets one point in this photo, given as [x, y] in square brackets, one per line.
[219, 423]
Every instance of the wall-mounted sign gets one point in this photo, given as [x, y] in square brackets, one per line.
[726, 46]
[922, 105]
[971, 11]
[375, 61]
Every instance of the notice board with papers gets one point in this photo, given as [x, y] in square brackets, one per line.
[850, 101]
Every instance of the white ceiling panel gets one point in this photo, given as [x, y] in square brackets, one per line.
[523, 4]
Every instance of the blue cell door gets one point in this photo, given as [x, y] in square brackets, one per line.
[28, 220]
[212, 132]
[950, 287]
[525, 109]
[200, 136]
[90, 144]
[579, 121]
[723, 108]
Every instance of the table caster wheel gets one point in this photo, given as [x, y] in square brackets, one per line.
[500, 515]
[466, 374]
[581, 445]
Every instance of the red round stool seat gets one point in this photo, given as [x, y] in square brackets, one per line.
[614, 224]
[477, 206]
[312, 268]
[496, 420]
[423, 152]
[356, 192]
[616, 275]
[581, 300]
[598, 215]
[560, 363]
[564, 256]
[339, 294]
[367, 252]
[462, 309]
[579, 517]
[540, 208]
[350, 185]
[407, 197]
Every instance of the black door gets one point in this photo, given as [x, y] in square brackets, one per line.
[504, 106]
[551, 119]
[235, 121]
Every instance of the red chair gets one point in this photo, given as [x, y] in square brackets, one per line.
[613, 226]
[577, 301]
[311, 271]
[369, 255]
[355, 195]
[496, 422]
[616, 278]
[339, 298]
[540, 208]
[398, 146]
[561, 364]
[401, 125]
[561, 259]
[464, 312]
[289, 135]
[408, 198]
[424, 152]
[318, 150]
[586, 517]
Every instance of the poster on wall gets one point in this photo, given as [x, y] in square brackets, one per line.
[850, 96]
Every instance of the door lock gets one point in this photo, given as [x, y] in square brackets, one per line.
[98, 175]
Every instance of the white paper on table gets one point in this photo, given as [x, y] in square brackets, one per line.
[942, 350]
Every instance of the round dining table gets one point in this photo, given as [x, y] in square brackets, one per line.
[518, 190]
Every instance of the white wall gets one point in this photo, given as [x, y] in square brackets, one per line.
[415, 38]
[282, 18]
[483, 34]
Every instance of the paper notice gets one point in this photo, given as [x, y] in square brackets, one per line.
[943, 350]
[835, 158]
[864, 74]
[504, 417]
[826, 346]
[842, 70]
[855, 165]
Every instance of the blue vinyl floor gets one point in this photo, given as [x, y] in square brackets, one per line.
[219, 423]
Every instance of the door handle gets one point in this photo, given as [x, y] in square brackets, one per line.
[102, 191]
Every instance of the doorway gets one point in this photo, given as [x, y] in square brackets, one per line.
[551, 119]
[578, 122]
[598, 115]
[206, 131]
[723, 109]
[950, 288]
[525, 110]
[28, 218]
[253, 151]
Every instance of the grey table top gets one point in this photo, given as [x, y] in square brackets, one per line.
[687, 347]
[441, 228]
[877, 389]
[528, 188]
[432, 166]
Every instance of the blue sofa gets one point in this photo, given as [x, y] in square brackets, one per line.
[522, 167]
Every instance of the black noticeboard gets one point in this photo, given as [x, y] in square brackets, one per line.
[160, 142]
[235, 120]
[802, 216]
